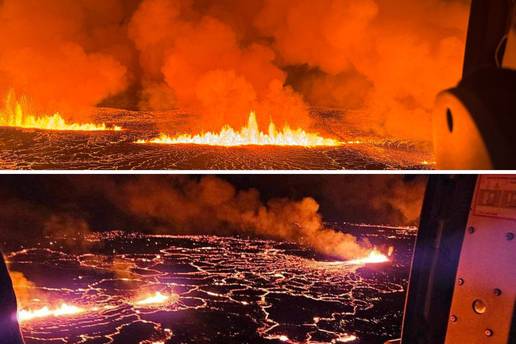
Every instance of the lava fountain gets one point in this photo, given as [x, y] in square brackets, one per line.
[15, 115]
[249, 135]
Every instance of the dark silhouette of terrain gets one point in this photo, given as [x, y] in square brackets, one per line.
[9, 328]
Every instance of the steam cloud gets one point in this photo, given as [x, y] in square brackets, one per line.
[383, 61]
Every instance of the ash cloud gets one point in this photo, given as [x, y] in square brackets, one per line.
[381, 61]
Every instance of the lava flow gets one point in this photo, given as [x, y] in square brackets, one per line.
[374, 257]
[159, 287]
[65, 309]
[15, 115]
[44, 312]
[157, 298]
[249, 135]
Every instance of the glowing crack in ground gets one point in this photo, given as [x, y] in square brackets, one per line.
[134, 288]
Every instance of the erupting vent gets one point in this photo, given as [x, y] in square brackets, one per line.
[249, 135]
[15, 115]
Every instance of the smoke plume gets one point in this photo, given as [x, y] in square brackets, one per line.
[386, 199]
[390, 200]
[29, 221]
[212, 205]
[287, 208]
[380, 61]
[200, 62]
[387, 59]
[62, 54]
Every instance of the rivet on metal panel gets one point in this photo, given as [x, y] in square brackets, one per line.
[488, 332]
[509, 236]
[460, 281]
[453, 318]
[479, 306]
[497, 292]
[471, 230]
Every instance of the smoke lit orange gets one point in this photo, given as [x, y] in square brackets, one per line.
[15, 115]
[249, 135]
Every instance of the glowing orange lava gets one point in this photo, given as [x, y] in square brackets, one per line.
[249, 135]
[44, 312]
[157, 298]
[15, 115]
[374, 257]
[347, 338]
[71, 310]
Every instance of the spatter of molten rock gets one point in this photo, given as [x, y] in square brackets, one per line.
[15, 115]
[249, 135]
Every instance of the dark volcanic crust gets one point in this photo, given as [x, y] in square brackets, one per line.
[37, 149]
[230, 291]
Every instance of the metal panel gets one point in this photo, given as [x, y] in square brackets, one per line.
[445, 213]
[489, 22]
[509, 60]
[485, 291]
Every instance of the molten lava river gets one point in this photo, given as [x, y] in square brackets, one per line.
[151, 141]
[136, 288]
